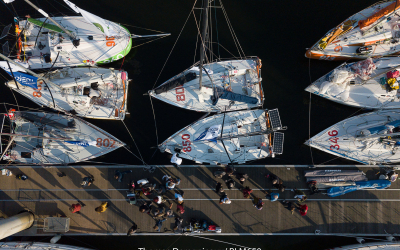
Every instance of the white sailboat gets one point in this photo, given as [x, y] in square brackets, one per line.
[229, 138]
[371, 138]
[214, 86]
[89, 92]
[371, 83]
[71, 40]
[374, 31]
[49, 138]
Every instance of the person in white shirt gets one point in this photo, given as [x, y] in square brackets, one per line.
[179, 198]
[175, 160]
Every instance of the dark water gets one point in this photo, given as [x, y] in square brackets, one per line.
[276, 31]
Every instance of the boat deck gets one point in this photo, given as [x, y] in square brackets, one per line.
[365, 212]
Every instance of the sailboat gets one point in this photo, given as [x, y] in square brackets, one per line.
[71, 40]
[49, 138]
[371, 138]
[374, 31]
[214, 86]
[89, 92]
[371, 83]
[229, 138]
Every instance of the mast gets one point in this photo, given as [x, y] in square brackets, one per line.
[203, 38]
[75, 41]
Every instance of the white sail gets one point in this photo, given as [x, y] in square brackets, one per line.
[102, 24]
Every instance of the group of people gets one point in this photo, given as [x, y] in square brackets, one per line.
[161, 210]
[258, 202]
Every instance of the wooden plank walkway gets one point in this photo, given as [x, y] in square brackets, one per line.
[367, 212]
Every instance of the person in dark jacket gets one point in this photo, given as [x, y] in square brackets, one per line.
[146, 208]
[219, 189]
[242, 177]
[118, 174]
[178, 224]
[219, 174]
[276, 182]
[158, 225]
[132, 230]
[87, 181]
[230, 183]
[229, 170]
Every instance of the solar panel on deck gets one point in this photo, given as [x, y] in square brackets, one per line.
[274, 118]
[278, 143]
[6, 49]
[5, 31]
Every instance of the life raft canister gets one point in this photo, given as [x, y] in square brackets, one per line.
[364, 49]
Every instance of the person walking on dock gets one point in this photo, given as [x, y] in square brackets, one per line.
[132, 230]
[158, 225]
[168, 212]
[159, 199]
[178, 224]
[75, 208]
[172, 183]
[230, 183]
[289, 205]
[230, 169]
[158, 213]
[179, 198]
[219, 174]
[102, 208]
[276, 182]
[242, 177]
[118, 174]
[146, 207]
[303, 209]
[299, 195]
[87, 181]
[175, 160]
[273, 196]
[180, 209]
[258, 203]
[21, 177]
[224, 199]
[219, 189]
[246, 192]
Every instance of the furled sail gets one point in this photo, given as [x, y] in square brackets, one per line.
[102, 24]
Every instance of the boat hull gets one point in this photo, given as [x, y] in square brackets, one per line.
[345, 139]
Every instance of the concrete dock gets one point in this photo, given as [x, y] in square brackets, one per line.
[364, 212]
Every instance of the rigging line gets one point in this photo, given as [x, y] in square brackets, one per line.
[329, 160]
[14, 13]
[216, 28]
[144, 163]
[142, 28]
[14, 9]
[174, 44]
[223, 144]
[197, 37]
[51, 65]
[39, 32]
[154, 116]
[309, 111]
[15, 99]
[217, 241]
[81, 242]
[133, 140]
[202, 40]
[236, 40]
